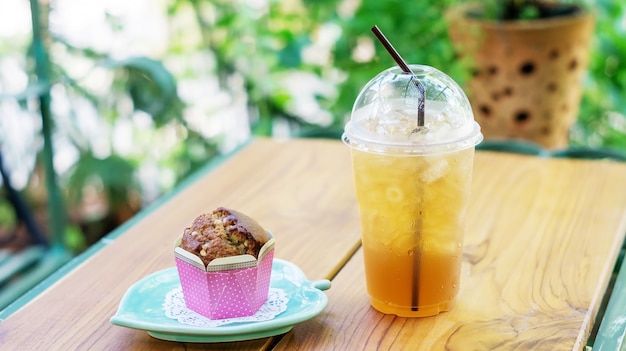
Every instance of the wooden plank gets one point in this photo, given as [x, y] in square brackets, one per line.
[301, 191]
[543, 237]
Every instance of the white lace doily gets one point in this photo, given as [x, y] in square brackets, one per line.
[175, 308]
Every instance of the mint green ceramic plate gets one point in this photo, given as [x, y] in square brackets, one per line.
[142, 308]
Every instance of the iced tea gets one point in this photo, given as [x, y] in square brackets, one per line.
[412, 210]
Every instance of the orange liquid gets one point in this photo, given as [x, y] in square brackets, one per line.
[412, 211]
[391, 283]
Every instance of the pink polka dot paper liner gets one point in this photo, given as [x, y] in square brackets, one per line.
[228, 287]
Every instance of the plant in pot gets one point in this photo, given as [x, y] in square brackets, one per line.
[527, 60]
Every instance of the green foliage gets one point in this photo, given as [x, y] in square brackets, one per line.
[7, 214]
[74, 239]
[258, 45]
[412, 30]
[186, 158]
[262, 46]
[150, 85]
[113, 174]
[602, 118]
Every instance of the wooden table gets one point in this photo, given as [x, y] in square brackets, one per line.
[543, 237]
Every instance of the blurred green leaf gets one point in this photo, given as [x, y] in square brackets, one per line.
[74, 239]
[151, 86]
[112, 175]
[7, 214]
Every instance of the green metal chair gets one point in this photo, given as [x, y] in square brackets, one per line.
[513, 146]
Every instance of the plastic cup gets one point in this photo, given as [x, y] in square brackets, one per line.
[412, 187]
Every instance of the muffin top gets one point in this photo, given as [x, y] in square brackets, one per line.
[222, 233]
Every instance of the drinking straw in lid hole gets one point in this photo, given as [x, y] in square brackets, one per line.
[420, 124]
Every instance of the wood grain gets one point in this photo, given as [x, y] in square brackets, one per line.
[300, 190]
[542, 238]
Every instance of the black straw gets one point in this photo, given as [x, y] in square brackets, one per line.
[420, 123]
[391, 50]
[406, 69]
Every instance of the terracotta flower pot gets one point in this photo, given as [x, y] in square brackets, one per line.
[527, 76]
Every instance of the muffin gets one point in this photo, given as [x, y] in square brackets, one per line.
[223, 233]
[224, 261]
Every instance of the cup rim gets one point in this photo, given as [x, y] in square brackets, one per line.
[468, 140]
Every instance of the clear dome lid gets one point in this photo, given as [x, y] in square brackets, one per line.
[386, 114]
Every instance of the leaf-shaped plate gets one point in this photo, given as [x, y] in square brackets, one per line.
[141, 308]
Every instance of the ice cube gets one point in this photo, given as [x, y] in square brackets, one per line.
[435, 170]
[394, 194]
